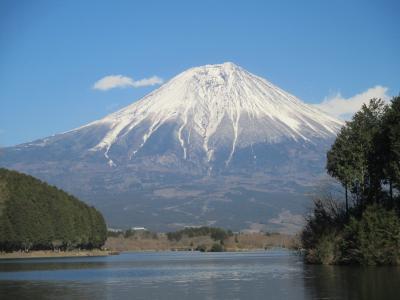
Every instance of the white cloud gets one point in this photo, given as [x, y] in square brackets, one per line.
[344, 108]
[120, 81]
[148, 81]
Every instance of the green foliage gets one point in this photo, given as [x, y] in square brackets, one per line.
[129, 233]
[328, 217]
[217, 247]
[388, 145]
[339, 157]
[352, 158]
[37, 216]
[201, 248]
[325, 249]
[144, 234]
[217, 234]
[372, 240]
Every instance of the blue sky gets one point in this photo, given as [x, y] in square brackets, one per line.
[53, 52]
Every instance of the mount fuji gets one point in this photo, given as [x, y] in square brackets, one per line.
[216, 145]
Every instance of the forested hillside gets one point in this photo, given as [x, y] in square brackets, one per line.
[37, 216]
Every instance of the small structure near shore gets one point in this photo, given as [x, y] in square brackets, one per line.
[138, 228]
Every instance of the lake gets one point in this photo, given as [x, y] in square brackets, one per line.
[274, 274]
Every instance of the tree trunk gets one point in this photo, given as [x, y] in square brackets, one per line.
[347, 200]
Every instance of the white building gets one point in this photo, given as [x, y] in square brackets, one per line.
[138, 228]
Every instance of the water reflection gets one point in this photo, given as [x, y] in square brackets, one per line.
[186, 275]
[353, 282]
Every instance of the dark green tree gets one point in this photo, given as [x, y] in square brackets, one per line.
[352, 160]
[372, 239]
[388, 147]
[338, 161]
[34, 215]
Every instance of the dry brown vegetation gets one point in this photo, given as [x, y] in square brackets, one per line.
[237, 242]
[49, 253]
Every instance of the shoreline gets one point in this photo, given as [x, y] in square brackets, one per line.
[100, 253]
[55, 254]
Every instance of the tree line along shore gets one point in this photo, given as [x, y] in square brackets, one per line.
[204, 239]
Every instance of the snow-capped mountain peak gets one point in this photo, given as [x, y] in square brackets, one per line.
[203, 100]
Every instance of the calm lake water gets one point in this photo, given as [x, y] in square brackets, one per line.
[274, 274]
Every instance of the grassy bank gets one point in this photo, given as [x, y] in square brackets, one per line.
[49, 254]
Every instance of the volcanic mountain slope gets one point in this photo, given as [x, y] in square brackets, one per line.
[214, 145]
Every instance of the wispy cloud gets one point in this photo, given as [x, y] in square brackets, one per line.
[154, 80]
[120, 81]
[344, 108]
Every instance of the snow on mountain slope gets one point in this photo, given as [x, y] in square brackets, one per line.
[202, 100]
